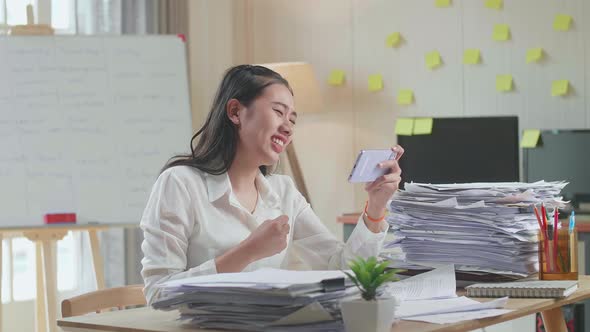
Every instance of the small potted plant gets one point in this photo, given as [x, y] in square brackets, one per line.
[370, 313]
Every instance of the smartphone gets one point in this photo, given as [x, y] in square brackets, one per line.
[365, 167]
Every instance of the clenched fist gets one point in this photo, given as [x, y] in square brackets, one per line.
[270, 238]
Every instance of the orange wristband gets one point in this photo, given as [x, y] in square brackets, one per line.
[371, 219]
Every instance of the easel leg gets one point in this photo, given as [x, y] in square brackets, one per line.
[553, 320]
[41, 317]
[50, 282]
[97, 259]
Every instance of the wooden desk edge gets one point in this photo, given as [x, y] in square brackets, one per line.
[541, 305]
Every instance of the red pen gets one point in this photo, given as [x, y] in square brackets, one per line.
[542, 226]
[543, 232]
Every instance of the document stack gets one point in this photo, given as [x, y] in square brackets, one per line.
[266, 299]
[483, 228]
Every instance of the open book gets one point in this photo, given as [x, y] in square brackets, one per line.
[534, 288]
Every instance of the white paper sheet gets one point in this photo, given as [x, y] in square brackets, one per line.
[438, 283]
[266, 276]
[408, 309]
[459, 316]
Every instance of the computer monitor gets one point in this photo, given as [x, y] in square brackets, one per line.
[561, 155]
[460, 150]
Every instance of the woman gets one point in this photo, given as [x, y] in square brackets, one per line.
[219, 209]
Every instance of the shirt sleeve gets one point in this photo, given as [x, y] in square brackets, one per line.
[320, 249]
[167, 225]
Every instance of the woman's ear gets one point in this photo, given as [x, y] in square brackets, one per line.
[232, 109]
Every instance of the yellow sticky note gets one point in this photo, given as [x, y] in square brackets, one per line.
[501, 32]
[442, 3]
[471, 57]
[423, 126]
[393, 39]
[534, 54]
[432, 59]
[559, 88]
[530, 138]
[504, 82]
[405, 97]
[494, 4]
[336, 77]
[375, 82]
[404, 126]
[562, 22]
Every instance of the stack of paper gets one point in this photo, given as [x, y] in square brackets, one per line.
[266, 299]
[480, 227]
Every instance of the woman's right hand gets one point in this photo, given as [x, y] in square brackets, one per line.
[270, 238]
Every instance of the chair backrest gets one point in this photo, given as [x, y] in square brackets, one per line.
[118, 297]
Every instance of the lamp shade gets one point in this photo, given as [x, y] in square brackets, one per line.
[301, 78]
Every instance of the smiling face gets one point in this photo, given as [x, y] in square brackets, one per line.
[266, 125]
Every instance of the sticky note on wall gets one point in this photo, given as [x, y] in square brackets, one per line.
[405, 97]
[501, 32]
[432, 59]
[530, 138]
[336, 77]
[559, 88]
[504, 83]
[423, 126]
[393, 40]
[562, 22]
[534, 54]
[442, 3]
[404, 126]
[471, 57]
[375, 82]
[494, 4]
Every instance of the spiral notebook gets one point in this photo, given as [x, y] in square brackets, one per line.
[534, 288]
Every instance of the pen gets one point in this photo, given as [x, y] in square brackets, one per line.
[556, 235]
[541, 226]
[572, 222]
[573, 261]
[550, 258]
[543, 233]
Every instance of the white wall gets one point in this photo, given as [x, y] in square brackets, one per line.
[350, 35]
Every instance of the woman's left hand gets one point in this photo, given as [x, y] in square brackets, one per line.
[381, 190]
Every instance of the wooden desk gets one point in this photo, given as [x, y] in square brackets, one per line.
[45, 238]
[149, 320]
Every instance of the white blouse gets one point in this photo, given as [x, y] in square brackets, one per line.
[192, 217]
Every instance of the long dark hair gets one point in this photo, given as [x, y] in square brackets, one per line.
[216, 148]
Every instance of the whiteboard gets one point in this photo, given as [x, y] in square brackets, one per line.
[86, 124]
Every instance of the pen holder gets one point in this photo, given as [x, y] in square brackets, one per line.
[558, 260]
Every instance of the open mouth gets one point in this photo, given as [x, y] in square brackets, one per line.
[278, 141]
[278, 144]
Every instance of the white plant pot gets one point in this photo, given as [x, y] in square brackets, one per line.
[369, 316]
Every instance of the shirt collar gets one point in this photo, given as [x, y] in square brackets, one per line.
[219, 185]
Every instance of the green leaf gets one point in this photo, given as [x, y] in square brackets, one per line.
[354, 280]
[355, 266]
[364, 278]
[378, 270]
[371, 263]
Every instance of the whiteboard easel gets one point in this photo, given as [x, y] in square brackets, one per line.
[45, 239]
[124, 98]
